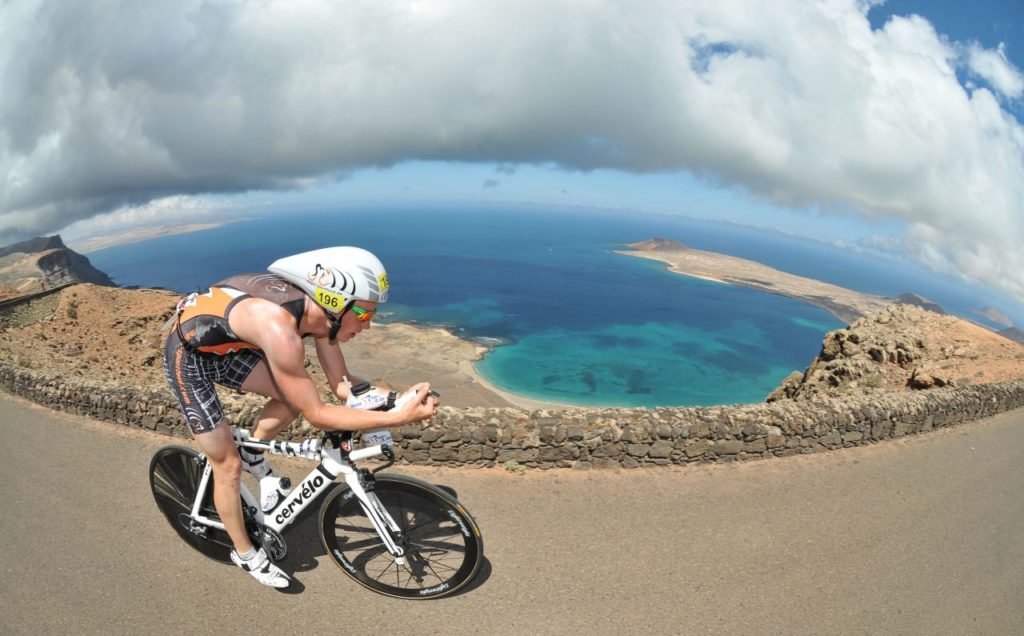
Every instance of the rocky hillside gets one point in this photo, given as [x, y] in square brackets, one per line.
[115, 336]
[44, 263]
[904, 347]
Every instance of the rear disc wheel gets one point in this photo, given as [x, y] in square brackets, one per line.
[174, 475]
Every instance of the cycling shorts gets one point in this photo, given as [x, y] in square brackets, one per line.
[192, 375]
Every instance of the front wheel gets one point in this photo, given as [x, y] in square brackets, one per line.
[443, 547]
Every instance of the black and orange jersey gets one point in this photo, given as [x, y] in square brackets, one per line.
[202, 321]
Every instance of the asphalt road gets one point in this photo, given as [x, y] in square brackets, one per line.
[917, 536]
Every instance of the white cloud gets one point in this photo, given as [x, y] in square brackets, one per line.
[117, 103]
[166, 212]
[994, 68]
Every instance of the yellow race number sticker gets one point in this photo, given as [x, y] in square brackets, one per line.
[382, 280]
[330, 299]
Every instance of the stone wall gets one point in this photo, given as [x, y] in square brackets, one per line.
[580, 438]
[23, 310]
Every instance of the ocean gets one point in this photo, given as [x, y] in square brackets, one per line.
[568, 320]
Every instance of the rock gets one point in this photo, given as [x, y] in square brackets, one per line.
[901, 347]
[921, 380]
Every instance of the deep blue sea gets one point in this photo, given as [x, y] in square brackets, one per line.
[572, 321]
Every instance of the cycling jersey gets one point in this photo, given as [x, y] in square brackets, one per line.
[202, 349]
[202, 321]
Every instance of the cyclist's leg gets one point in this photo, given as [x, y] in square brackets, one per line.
[191, 381]
[277, 413]
[249, 372]
[220, 450]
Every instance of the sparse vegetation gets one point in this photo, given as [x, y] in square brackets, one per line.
[515, 467]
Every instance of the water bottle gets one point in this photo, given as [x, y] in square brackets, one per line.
[361, 396]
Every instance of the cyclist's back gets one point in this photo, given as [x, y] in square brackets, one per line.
[202, 323]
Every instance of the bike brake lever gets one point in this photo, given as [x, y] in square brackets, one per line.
[390, 454]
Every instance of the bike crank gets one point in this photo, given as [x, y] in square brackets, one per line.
[271, 541]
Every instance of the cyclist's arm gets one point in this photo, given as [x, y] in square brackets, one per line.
[273, 330]
[332, 360]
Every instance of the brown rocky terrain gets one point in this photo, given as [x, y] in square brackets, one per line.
[115, 336]
[904, 347]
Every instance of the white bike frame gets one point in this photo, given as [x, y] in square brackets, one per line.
[332, 464]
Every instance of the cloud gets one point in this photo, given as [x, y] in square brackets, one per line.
[169, 211]
[109, 104]
[491, 184]
[994, 68]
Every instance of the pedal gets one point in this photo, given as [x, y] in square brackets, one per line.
[286, 483]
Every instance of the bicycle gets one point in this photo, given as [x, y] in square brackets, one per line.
[396, 535]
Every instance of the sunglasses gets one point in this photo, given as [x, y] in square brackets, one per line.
[363, 315]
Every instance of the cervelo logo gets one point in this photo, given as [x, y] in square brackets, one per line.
[309, 489]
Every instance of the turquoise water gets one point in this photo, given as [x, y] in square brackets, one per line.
[573, 321]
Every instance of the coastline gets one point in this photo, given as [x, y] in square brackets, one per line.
[845, 304]
[96, 243]
[515, 398]
[402, 353]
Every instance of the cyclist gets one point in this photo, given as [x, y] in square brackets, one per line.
[246, 333]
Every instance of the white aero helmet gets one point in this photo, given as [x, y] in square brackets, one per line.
[335, 277]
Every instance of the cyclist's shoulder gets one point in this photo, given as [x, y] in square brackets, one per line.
[260, 315]
[262, 285]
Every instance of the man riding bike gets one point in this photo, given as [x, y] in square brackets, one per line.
[246, 333]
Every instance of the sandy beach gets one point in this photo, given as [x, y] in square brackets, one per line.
[401, 354]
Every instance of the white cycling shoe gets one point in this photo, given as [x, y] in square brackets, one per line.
[262, 569]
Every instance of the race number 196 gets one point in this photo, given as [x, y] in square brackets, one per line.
[329, 299]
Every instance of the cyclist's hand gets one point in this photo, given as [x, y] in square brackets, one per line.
[422, 407]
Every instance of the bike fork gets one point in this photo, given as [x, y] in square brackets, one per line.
[382, 522]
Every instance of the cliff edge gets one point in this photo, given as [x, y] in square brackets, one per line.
[904, 347]
[44, 263]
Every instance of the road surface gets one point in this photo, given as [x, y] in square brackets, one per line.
[917, 536]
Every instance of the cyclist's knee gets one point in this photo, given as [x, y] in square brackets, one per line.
[227, 469]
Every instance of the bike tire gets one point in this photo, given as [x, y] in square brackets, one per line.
[174, 474]
[444, 550]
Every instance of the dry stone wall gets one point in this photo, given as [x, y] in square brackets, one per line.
[580, 438]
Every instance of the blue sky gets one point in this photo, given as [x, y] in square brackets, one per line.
[856, 123]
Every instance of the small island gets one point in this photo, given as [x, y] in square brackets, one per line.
[845, 304]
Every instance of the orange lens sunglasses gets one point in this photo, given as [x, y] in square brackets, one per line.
[363, 315]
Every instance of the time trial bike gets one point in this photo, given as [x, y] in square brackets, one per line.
[396, 535]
